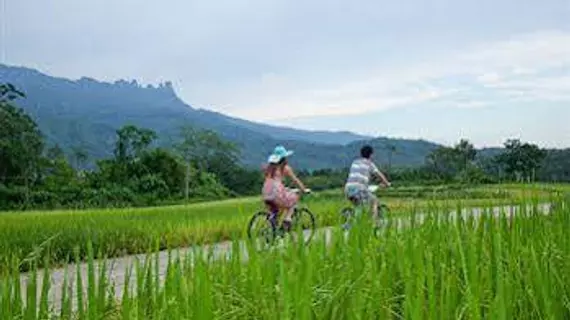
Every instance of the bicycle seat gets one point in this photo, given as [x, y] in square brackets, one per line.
[273, 207]
[355, 200]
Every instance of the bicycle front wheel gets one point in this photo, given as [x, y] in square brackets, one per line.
[382, 221]
[303, 224]
[383, 211]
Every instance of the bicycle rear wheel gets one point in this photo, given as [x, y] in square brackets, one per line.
[303, 223]
[346, 216]
[262, 226]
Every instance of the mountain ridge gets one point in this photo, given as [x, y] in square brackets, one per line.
[86, 112]
[166, 88]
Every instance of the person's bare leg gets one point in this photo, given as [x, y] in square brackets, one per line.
[289, 214]
[287, 219]
[291, 203]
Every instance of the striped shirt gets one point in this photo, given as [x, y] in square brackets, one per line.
[360, 172]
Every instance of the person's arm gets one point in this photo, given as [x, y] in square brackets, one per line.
[293, 176]
[384, 179]
[380, 175]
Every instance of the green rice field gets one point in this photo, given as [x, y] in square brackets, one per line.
[485, 267]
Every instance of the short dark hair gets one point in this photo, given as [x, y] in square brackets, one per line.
[366, 151]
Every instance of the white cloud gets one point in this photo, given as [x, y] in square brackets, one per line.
[534, 51]
[506, 68]
[267, 60]
[522, 71]
[471, 104]
[554, 88]
[489, 78]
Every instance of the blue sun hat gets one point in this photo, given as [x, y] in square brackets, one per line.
[279, 153]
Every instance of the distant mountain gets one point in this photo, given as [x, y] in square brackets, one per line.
[86, 112]
[325, 137]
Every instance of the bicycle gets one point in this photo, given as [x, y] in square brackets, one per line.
[358, 204]
[269, 220]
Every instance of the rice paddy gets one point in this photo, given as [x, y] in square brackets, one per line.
[487, 266]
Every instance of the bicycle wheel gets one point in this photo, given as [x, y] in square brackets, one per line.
[267, 227]
[383, 211]
[346, 215]
[303, 223]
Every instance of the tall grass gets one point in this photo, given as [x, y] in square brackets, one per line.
[484, 267]
[117, 232]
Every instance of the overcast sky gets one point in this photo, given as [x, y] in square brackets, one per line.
[441, 69]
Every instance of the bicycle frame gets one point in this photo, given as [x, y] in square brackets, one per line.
[272, 216]
[358, 204]
[271, 206]
[362, 199]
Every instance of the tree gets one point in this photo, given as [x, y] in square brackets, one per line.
[55, 152]
[453, 162]
[165, 166]
[491, 167]
[132, 141]
[56, 171]
[466, 153]
[21, 142]
[556, 166]
[391, 151]
[521, 160]
[8, 93]
[443, 161]
[205, 150]
[80, 157]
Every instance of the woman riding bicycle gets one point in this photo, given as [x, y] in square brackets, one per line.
[274, 192]
[361, 170]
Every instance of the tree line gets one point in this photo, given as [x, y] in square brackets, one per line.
[201, 165]
[463, 164]
[34, 175]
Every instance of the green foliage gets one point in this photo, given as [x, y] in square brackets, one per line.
[138, 174]
[207, 166]
[462, 164]
[484, 267]
[165, 165]
[209, 187]
[21, 142]
[473, 174]
[132, 142]
[324, 179]
[11, 197]
[57, 173]
[451, 163]
[206, 151]
[132, 230]
[556, 166]
[521, 160]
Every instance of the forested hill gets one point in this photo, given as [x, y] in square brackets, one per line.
[86, 113]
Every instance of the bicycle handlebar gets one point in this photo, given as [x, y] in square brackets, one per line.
[297, 190]
[374, 187]
[371, 188]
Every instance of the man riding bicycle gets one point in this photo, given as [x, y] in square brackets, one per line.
[356, 187]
